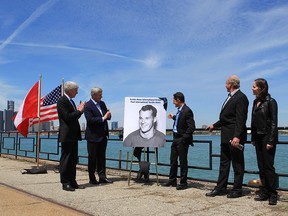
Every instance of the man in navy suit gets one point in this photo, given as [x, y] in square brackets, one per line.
[69, 134]
[97, 132]
[232, 121]
[183, 128]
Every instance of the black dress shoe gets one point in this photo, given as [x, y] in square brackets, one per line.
[105, 181]
[170, 183]
[94, 182]
[67, 187]
[216, 192]
[78, 186]
[261, 197]
[181, 187]
[273, 199]
[234, 194]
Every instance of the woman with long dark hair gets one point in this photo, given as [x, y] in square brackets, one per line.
[264, 138]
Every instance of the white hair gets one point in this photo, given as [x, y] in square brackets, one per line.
[70, 85]
[95, 90]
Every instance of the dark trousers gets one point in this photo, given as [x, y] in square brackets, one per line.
[228, 154]
[68, 162]
[265, 160]
[97, 159]
[178, 149]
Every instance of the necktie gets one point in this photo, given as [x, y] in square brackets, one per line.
[99, 108]
[227, 99]
[176, 122]
[73, 104]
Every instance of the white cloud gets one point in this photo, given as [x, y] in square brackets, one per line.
[37, 13]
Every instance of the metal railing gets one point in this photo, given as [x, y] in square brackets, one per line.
[14, 144]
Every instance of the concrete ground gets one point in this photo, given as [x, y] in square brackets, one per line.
[42, 194]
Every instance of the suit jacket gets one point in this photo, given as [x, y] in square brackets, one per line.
[186, 124]
[69, 128]
[232, 119]
[96, 129]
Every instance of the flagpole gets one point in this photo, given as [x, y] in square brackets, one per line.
[62, 89]
[39, 124]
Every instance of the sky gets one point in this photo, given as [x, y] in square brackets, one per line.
[147, 48]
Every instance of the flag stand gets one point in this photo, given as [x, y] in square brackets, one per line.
[37, 169]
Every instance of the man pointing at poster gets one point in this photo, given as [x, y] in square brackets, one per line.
[183, 128]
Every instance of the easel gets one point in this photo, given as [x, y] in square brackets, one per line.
[146, 152]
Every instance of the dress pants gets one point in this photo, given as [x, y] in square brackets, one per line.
[178, 149]
[68, 162]
[265, 160]
[228, 154]
[97, 159]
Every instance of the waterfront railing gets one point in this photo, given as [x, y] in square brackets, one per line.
[204, 157]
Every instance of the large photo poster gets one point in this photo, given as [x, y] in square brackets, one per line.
[145, 122]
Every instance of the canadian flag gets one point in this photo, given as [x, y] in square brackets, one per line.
[28, 109]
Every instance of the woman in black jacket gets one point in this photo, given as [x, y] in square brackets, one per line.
[264, 138]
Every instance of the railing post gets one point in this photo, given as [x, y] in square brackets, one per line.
[16, 145]
[1, 143]
[119, 159]
[127, 158]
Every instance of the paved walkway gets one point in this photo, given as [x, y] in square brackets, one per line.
[41, 194]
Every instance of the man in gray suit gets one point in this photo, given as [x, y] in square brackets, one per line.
[232, 122]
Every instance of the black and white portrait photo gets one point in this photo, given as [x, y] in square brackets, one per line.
[144, 122]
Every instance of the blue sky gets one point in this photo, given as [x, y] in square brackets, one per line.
[145, 48]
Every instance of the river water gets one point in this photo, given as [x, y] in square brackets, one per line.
[198, 156]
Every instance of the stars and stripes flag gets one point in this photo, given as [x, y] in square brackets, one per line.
[48, 106]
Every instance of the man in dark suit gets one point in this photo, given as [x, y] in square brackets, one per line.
[69, 134]
[97, 114]
[232, 121]
[183, 128]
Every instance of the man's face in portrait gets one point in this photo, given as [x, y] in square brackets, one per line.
[146, 121]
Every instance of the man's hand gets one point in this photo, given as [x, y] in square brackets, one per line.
[268, 146]
[107, 115]
[170, 115]
[81, 106]
[210, 128]
[235, 142]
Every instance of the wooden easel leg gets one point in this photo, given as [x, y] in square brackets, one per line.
[156, 164]
[129, 176]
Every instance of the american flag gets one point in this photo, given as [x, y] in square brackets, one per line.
[48, 106]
